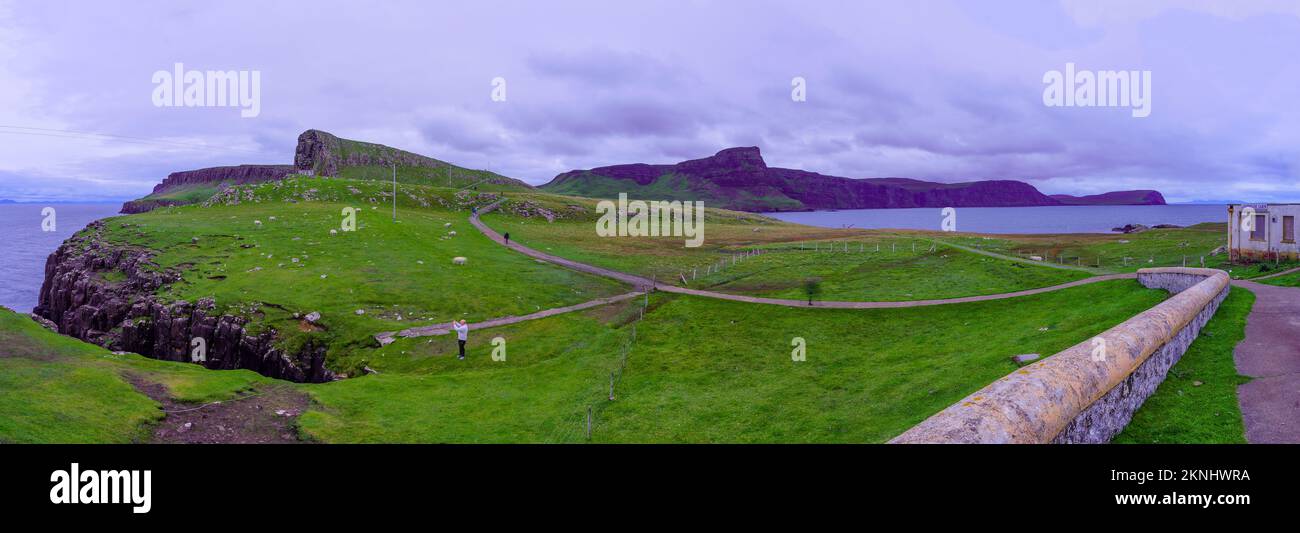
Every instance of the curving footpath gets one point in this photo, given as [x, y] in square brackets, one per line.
[1270, 353]
[644, 284]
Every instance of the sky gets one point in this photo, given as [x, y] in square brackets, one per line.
[938, 90]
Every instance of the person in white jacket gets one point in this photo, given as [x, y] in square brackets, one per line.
[462, 334]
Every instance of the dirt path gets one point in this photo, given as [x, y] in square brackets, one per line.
[443, 329]
[1270, 404]
[642, 283]
[1276, 274]
[268, 415]
[996, 255]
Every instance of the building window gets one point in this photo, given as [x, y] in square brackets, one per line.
[1257, 234]
[1288, 229]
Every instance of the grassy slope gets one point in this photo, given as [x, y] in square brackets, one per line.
[438, 174]
[1182, 411]
[58, 389]
[895, 273]
[704, 370]
[1289, 280]
[189, 194]
[669, 187]
[1152, 248]
[886, 275]
[387, 269]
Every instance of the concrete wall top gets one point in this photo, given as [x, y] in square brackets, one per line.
[1035, 403]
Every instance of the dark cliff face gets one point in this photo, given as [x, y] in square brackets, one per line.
[1138, 197]
[206, 177]
[738, 178]
[232, 175]
[126, 316]
[324, 153]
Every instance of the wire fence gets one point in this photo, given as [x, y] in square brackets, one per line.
[722, 264]
[591, 420]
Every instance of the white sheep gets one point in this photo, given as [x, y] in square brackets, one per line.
[458, 260]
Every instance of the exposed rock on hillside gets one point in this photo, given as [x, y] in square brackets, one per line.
[324, 154]
[126, 316]
[205, 177]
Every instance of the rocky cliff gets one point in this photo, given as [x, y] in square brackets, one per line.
[320, 153]
[204, 181]
[739, 178]
[106, 295]
[325, 154]
[1138, 197]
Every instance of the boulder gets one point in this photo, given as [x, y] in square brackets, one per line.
[1024, 358]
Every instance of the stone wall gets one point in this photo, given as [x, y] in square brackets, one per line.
[1083, 394]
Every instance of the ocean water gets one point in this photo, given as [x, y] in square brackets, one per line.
[25, 245]
[1046, 219]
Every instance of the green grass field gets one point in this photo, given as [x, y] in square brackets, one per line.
[1197, 402]
[700, 369]
[1116, 252]
[852, 264]
[705, 370]
[885, 275]
[56, 389]
[1289, 280]
[398, 274]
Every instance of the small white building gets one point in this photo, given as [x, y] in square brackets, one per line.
[1263, 232]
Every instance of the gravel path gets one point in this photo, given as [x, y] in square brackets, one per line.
[1276, 274]
[644, 284]
[1270, 353]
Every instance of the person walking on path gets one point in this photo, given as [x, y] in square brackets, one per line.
[462, 334]
[507, 236]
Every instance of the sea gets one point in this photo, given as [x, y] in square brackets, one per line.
[1045, 219]
[25, 245]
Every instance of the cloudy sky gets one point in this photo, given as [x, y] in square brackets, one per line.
[939, 90]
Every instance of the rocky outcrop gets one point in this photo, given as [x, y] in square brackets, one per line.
[325, 154]
[123, 313]
[1138, 197]
[144, 205]
[214, 177]
[739, 178]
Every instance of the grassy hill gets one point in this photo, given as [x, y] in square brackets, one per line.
[699, 369]
[328, 155]
[324, 154]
